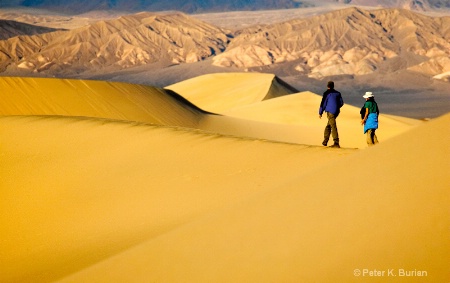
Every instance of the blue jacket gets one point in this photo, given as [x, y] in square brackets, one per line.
[331, 102]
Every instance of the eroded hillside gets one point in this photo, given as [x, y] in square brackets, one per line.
[125, 42]
[352, 42]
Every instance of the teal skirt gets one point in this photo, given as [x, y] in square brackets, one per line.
[371, 122]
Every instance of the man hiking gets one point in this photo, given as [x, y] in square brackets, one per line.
[331, 104]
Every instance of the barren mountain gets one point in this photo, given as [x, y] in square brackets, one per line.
[350, 41]
[121, 43]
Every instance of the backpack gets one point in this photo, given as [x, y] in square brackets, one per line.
[362, 112]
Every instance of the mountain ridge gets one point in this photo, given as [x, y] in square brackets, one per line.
[127, 41]
[350, 41]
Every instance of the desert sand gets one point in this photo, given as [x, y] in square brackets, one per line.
[115, 182]
[274, 111]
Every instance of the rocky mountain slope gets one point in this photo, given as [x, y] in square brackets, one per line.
[350, 41]
[128, 41]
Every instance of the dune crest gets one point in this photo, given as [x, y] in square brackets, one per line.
[98, 99]
[340, 223]
[252, 105]
[224, 91]
[261, 106]
[300, 110]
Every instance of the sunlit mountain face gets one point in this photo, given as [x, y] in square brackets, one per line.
[308, 46]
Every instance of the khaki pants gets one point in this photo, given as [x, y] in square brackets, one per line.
[371, 137]
[331, 128]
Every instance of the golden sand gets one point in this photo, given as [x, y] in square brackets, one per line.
[112, 182]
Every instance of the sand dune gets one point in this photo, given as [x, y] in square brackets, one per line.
[75, 190]
[258, 106]
[221, 92]
[253, 105]
[114, 182]
[100, 99]
[120, 101]
[301, 110]
[391, 215]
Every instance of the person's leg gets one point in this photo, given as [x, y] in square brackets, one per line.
[326, 134]
[371, 137]
[374, 137]
[334, 130]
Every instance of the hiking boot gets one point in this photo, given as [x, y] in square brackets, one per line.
[324, 143]
[336, 145]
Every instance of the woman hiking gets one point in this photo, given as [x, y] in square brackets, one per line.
[369, 115]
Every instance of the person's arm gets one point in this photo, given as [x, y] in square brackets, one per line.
[365, 117]
[322, 105]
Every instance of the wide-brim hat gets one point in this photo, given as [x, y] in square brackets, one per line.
[368, 94]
